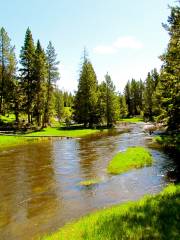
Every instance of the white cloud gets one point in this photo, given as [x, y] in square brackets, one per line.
[129, 42]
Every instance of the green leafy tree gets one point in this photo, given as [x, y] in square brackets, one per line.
[27, 57]
[170, 72]
[85, 103]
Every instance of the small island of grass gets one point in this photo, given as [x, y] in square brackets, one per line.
[133, 157]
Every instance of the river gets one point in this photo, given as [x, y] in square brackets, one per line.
[39, 182]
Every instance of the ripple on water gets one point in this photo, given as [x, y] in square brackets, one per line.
[39, 182]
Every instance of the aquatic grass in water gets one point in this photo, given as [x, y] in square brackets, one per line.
[133, 157]
[153, 217]
[89, 182]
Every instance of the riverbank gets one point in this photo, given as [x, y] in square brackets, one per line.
[131, 120]
[133, 157]
[169, 141]
[10, 140]
[153, 217]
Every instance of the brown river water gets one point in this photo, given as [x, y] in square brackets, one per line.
[39, 189]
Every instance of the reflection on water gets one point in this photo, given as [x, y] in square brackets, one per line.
[39, 189]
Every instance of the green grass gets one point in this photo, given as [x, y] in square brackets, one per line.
[132, 120]
[8, 141]
[89, 182]
[11, 141]
[63, 132]
[133, 157]
[169, 141]
[153, 217]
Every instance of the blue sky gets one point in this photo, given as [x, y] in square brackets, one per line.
[122, 37]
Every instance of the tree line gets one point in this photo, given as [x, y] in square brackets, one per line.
[156, 99]
[33, 90]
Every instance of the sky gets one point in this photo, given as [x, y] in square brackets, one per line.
[123, 38]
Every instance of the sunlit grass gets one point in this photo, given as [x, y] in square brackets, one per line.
[133, 157]
[153, 217]
[10, 141]
[132, 120]
[62, 132]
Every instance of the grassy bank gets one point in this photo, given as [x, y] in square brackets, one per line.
[131, 120]
[8, 141]
[133, 157]
[169, 141]
[62, 132]
[11, 141]
[153, 217]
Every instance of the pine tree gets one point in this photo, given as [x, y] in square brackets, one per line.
[52, 76]
[27, 57]
[123, 106]
[127, 94]
[148, 97]
[108, 105]
[85, 103]
[40, 74]
[170, 72]
[59, 104]
[7, 68]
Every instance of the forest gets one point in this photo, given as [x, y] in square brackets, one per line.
[28, 87]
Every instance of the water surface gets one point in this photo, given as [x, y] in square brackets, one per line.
[39, 183]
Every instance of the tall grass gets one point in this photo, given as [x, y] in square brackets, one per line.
[133, 157]
[153, 217]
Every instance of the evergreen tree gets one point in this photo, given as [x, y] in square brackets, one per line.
[123, 106]
[40, 74]
[148, 97]
[134, 97]
[133, 93]
[59, 104]
[7, 68]
[68, 99]
[109, 107]
[27, 57]
[53, 76]
[85, 103]
[127, 94]
[170, 72]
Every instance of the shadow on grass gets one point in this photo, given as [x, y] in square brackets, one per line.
[156, 218]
